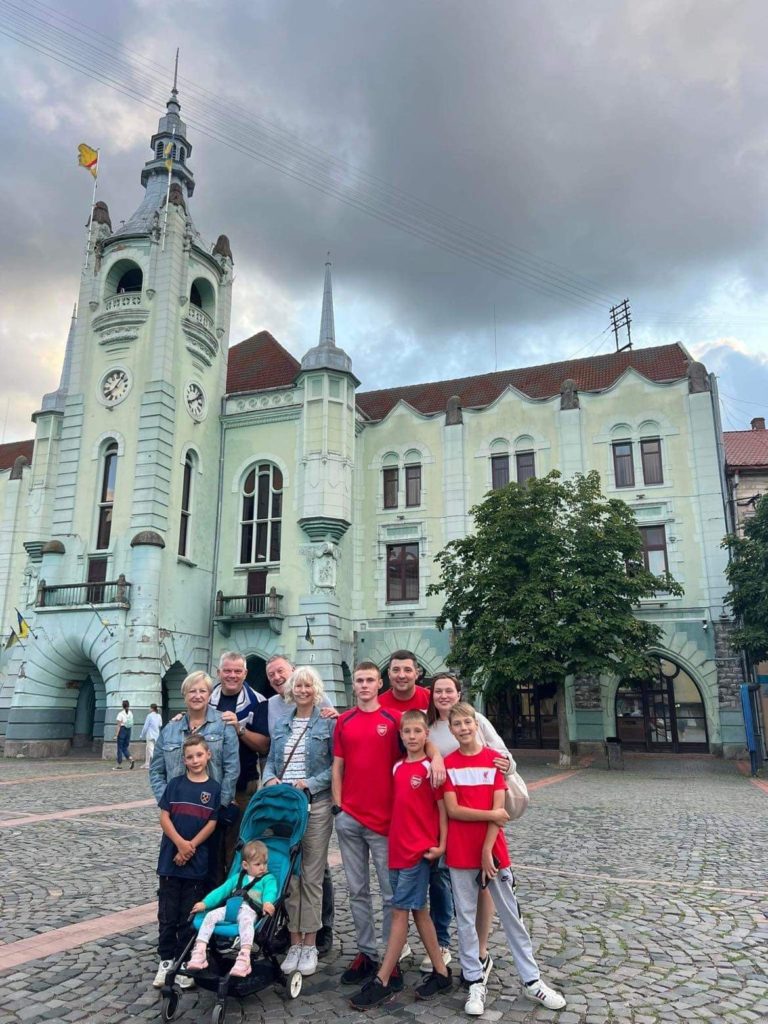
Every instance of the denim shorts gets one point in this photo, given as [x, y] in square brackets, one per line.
[410, 886]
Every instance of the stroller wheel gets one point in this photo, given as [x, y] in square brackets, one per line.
[294, 984]
[218, 1014]
[170, 1006]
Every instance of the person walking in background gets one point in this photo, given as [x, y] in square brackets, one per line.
[153, 723]
[123, 736]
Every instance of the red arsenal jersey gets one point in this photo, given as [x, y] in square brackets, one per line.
[418, 701]
[474, 779]
[369, 742]
[415, 820]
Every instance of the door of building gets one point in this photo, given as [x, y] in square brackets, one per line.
[662, 712]
[527, 715]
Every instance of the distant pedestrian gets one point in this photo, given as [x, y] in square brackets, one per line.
[123, 736]
[153, 723]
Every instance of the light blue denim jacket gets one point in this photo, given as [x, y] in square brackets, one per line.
[318, 752]
[168, 760]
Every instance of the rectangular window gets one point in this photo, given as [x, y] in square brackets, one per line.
[391, 482]
[525, 465]
[654, 549]
[623, 465]
[186, 507]
[402, 572]
[412, 486]
[650, 451]
[499, 471]
[97, 573]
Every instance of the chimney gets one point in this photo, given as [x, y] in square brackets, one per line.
[758, 423]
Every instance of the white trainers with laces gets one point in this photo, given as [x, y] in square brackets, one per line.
[292, 957]
[183, 980]
[307, 961]
[475, 1004]
[539, 992]
[163, 967]
[426, 964]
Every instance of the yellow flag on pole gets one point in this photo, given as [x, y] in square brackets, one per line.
[88, 158]
[12, 639]
[167, 151]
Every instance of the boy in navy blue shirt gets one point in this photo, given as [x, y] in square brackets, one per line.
[188, 811]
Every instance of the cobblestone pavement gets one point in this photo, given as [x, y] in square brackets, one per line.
[645, 892]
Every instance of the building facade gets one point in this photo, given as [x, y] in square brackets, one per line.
[183, 497]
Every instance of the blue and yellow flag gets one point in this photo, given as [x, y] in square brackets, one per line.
[88, 158]
[12, 639]
[167, 151]
[24, 629]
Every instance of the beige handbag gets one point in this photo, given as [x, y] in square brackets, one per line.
[517, 799]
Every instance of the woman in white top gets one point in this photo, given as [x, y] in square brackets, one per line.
[445, 692]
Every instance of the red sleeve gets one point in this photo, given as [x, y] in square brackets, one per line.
[338, 745]
[499, 782]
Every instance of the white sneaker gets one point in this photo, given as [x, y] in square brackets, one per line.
[538, 992]
[163, 967]
[183, 980]
[291, 962]
[405, 951]
[426, 964]
[307, 961]
[475, 1004]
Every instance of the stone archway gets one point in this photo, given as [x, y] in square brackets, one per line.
[88, 729]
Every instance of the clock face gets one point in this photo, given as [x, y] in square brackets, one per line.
[115, 385]
[194, 396]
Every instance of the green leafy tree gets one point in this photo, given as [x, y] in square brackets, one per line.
[747, 574]
[545, 588]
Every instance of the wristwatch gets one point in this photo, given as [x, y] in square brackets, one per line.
[335, 809]
[241, 728]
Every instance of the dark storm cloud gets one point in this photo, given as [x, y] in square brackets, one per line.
[624, 142]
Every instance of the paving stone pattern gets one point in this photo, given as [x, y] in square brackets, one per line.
[645, 892]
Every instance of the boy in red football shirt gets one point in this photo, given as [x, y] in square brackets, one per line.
[416, 839]
[477, 855]
[366, 745]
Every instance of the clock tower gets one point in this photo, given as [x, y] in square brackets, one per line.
[134, 488]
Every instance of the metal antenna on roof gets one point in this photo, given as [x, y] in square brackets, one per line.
[621, 319]
[174, 90]
[495, 350]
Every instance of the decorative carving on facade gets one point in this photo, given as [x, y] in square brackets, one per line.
[453, 413]
[698, 378]
[569, 396]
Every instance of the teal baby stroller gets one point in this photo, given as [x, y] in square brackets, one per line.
[277, 816]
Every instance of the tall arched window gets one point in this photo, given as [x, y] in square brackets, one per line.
[261, 515]
[186, 504]
[159, 151]
[106, 496]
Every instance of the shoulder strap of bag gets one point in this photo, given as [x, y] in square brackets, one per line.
[293, 750]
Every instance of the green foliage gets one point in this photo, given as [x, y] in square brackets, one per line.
[546, 586]
[747, 575]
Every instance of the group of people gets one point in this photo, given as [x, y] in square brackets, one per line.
[414, 781]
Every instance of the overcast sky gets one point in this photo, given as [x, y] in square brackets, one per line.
[566, 156]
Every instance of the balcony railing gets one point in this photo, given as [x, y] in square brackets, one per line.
[198, 316]
[75, 595]
[249, 608]
[125, 300]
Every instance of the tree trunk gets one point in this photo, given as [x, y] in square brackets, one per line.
[562, 727]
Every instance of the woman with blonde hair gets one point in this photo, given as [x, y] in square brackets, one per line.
[301, 755]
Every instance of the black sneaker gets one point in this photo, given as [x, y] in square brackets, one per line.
[396, 979]
[434, 984]
[371, 994]
[362, 967]
[324, 941]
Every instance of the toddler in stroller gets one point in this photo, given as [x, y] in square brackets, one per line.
[275, 819]
[256, 891]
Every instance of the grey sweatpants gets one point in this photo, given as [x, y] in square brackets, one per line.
[501, 888]
[356, 844]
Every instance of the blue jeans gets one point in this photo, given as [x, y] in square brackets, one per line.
[441, 901]
[123, 745]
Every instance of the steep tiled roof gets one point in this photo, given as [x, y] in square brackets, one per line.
[596, 373]
[11, 451]
[260, 362]
[746, 448]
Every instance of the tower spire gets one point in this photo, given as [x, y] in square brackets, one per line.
[174, 90]
[327, 326]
